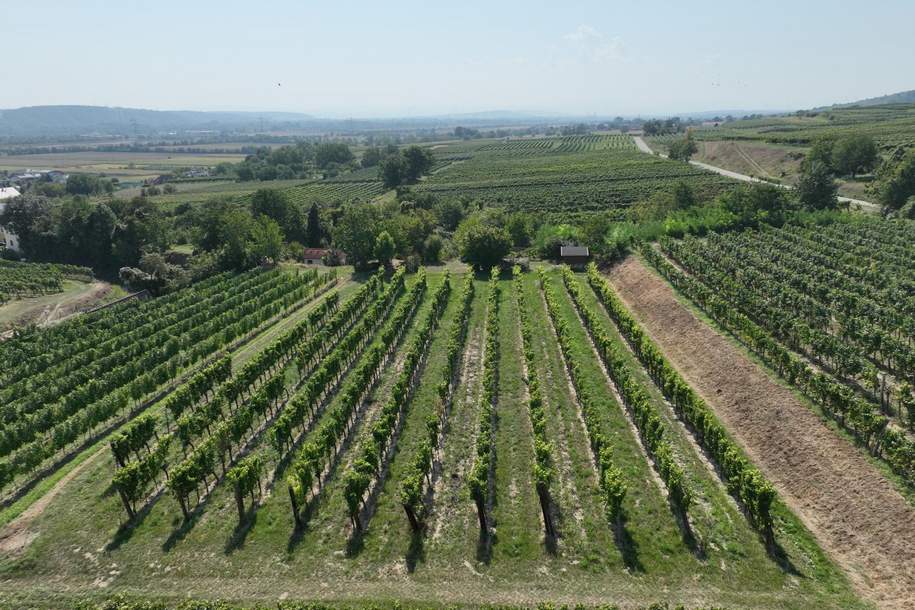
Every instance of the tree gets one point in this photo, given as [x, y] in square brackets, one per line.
[683, 196]
[820, 152]
[896, 180]
[355, 233]
[683, 148]
[315, 232]
[816, 189]
[140, 228]
[418, 161]
[384, 248]
[432, 249]
[483, 246]
[266, 240]
[276, 205]
[332, 152]
[854, 154]
[757, 203]
[594, 231]
[449, 212]
[235, 229]
[519, 227]
[87, 184]
[372, 156]
[392, 171]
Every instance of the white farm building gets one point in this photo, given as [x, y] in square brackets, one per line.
[8, 239]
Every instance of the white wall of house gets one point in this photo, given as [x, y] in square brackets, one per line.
[9, 238]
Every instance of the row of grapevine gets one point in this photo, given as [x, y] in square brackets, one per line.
[194, 406]
[635, 398]
[80, 340]
[133, 479]
[241, 425]
[137, 434]
[418, 476]
[826, 322]
[324, 443]
[743, 480]
[480, 480]
[154, 332]
[19, 280]
[44, 432]
[610, 478]
[377, 442]
[543, 471]
[325, 370]
[858, 416]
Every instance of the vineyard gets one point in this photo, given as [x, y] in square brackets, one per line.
[562, 176]
[358, 186]
[20, 280]
[890, 126]
[436, 435]
[829, 308]
[64, 387]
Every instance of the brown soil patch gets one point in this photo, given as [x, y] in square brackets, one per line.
[853, 510]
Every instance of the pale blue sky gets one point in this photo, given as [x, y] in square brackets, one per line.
[398, 58]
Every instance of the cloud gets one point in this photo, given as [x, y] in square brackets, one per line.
[591, 44]
[581, 34]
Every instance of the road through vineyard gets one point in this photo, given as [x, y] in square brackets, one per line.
[854, 511]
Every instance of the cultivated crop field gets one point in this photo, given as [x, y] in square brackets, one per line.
[431, 437]
[23, 280]
[563, 176]
[891, 126]
[127, 166]
[303, 192]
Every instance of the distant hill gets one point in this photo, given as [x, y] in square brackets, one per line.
[904, 97]
[99, 120]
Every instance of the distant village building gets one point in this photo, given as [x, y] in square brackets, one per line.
[574, 256]
[10, 240]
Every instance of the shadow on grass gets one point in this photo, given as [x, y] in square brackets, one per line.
[628, 547]
[125, 532]
[487, 538]
[695, 546]
[776, 553]
[240, 533]
[417, 551]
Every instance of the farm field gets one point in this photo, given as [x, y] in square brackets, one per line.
[345, 189]
[22, 280]
[68, 385]
[862, 516]
[561, 176]
[440, 438]
[891, 126]
[126, 166]
[779, 163]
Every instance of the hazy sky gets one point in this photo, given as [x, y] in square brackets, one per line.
[397, 58]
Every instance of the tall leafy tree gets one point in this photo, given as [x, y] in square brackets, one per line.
[816, 189]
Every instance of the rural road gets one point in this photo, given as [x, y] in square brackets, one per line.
[643, 146]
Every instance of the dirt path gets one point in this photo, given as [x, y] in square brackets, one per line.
[855, 513]
[17, 535]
